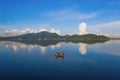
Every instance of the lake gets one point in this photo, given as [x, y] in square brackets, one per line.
[81, 61]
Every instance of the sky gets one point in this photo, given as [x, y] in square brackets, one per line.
[60, 16]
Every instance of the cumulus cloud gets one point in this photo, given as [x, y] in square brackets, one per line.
[82, 28]
[16, 32]
[52, 30]
[43, 29]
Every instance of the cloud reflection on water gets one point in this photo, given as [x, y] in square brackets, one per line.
[111, 47]
[82, 48]
[17, 46]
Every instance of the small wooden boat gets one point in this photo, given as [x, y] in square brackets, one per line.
[59, 54]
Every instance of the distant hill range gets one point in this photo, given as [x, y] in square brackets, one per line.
[47, 36]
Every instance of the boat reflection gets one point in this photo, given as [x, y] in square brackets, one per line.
[57, 57]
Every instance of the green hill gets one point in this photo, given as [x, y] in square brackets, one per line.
[47, 36]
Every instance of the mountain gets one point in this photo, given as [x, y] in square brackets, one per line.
[53, 37]
[43, 34]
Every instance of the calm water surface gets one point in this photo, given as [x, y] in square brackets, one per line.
[20, 61]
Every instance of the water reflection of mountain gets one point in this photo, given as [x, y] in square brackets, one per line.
[42, 43]
[111, 47]
[17, 46]
[43, 46]
[46, 38]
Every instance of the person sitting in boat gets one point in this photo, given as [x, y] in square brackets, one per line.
[59, 55]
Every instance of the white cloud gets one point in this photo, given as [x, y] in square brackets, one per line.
[111, 29]
[70, 14]
[87, 16]
[52, 30]
[112, 35]
[82, 28]
[16, 32]
[43, 29]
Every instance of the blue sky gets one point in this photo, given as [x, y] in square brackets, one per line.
[101, 16]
